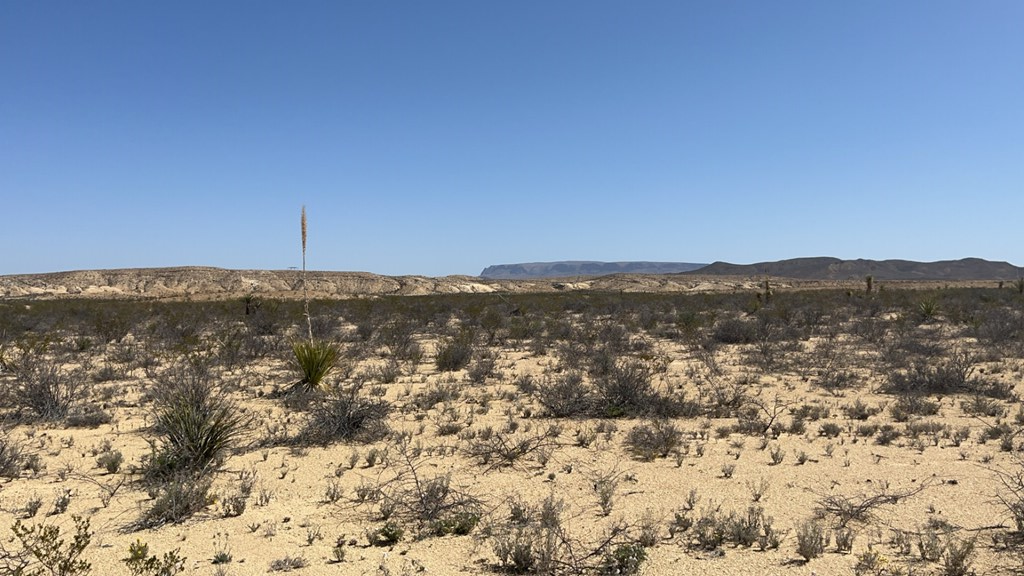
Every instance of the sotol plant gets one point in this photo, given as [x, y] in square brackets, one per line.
[314, 359]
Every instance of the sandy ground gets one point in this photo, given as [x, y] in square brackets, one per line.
[288, 514]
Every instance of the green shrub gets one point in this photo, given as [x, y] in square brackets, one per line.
[43, 552]
[314, 360]
[388, 534]
[140, 563]
[624, 559]
[195, 422]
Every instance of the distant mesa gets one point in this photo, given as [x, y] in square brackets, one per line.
[821, 268]
[835, 269]
[582, 268]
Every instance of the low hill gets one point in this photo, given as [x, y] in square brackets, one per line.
[217, 283]
[571, 268]
[836, 269]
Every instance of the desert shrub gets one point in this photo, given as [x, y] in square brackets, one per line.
[398, 338]
[314, 360]
[388, 534]
[482, 368]
[533, 541]
[90, 416]
[288, 563]
[860, 508]
[723, 398]
[919, 428]
[910, 405]
[176, 499]
[1012, 494]
[601, 360]
[998, 327]
[623, 559]
[43, 386]
[140, 563]
[830, 430]
[526, 550]
[734, 331]
[43, 552]
[859, 410]
[811, 539]
[501, 449]
[455, 352]
[886, 434]
[110, 461]
[709, 530]
[653, 439]
[345, 414]
[433, 505]
[564, 395]
[811, 412]
[195, 423]
[12, 458]
[388, 372]
[744, 529]
[626, 389]
[951, 374]
[437, 393]
[957, 557]
[844, 539]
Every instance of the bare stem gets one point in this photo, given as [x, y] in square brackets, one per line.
[305, 292]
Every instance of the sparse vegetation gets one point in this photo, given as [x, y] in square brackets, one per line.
[418, 404]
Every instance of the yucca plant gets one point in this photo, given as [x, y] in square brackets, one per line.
[314, 360]
[196, 424]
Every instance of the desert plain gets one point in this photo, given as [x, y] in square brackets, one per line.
[748, 427]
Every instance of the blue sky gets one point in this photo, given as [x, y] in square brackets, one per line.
[440, 137]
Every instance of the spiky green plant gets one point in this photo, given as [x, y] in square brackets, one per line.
[196, 424]
[314, 360]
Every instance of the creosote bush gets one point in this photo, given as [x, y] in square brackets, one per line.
[455, 352]
[46, 388]
[44, 553]
[655, 439]
[12, 457]
[175, 499]
[346, 414]
[140, 563]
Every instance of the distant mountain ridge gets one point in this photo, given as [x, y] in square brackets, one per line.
[570, 268]
[825, 268]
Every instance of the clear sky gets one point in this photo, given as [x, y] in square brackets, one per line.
[438, 137]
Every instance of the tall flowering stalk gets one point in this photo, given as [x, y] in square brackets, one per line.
[314, 359]
[305, 292]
